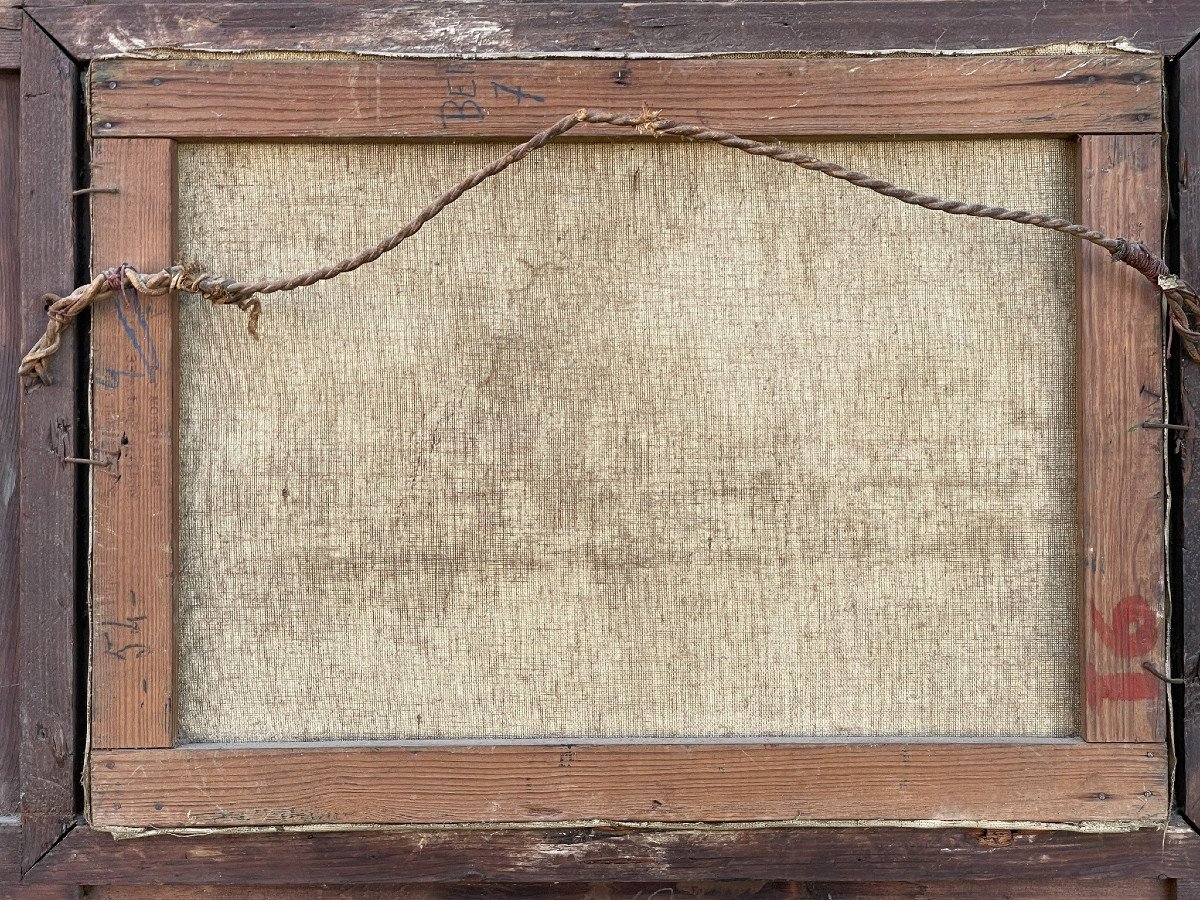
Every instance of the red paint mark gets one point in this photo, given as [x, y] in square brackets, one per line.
[1123, 686]
[1132, 632]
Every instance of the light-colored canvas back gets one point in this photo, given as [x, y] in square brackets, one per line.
[640, 439]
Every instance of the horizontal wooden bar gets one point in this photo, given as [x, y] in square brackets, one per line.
[194, 99]
[434, 27]
[1063, 781]
[547, 855]
[1057, 889]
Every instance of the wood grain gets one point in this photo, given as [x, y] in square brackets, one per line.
[38, 892]
[620, 853]
[1120, 462]
[10, 873]
[134, 379]
[10, 38]
[310, 784]
[618, 29]
[10, 427]
[1187, 153]
[207, 99]
[1142, 889]
[51, 428]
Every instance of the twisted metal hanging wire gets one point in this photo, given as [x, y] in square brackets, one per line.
[1181, 302]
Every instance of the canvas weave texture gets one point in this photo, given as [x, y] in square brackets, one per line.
[640, 439]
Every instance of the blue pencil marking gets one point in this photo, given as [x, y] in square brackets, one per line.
[112, 377]
[133, 339]
[136, 301]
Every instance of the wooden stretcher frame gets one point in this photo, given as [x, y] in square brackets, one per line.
[1116, 771]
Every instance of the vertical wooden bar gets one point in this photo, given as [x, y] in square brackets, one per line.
[134, 383]
[50, 429]
[1187, 156]
[10, 402]
[1121, 485]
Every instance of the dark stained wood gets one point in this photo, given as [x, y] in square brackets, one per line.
[10, 427]
[10, 38]
[1187, 152]
[454, 98]
[1142, 889]
[134, 419]
[38, 892]
[545, 855]
[50, 429]
[312, 784]
[616, 29]
[10, 872]
[10, 851]
[1121, 487]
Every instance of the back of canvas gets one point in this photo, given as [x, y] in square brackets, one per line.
[640, 439]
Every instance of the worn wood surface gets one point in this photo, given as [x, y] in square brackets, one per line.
[10, 852]
[618, 29]
[134, 385]
[546, 855]
[50, 429]
[435, 98]
[10, 419]
[10, 872]
[1187, 155]
[308, 784]
[1120, 462]
[38, 892]
[1142, 889]
[10, 38]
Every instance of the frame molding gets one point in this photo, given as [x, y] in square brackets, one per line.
[616, 853]
[51, 429]
[526, 855]
[1187, 196]
[516, 28]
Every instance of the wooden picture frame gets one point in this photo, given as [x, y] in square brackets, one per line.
[1115, 772]
[47, 849]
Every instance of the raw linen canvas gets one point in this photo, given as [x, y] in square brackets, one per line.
[640, 439]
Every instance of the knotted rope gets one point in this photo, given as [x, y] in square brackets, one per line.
[1182, 303]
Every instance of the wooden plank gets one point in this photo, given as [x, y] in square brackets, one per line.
[1120, 463]
[1187, 157]
[1057, 889]
[619, 853]
[38, 892]
[134, 382]
[618, 29]
[51, 428]
[10, 426]
[207, 99]
[394, 784]
[1187, 151]
[10, 872]
[10, 850]
[10, 38]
